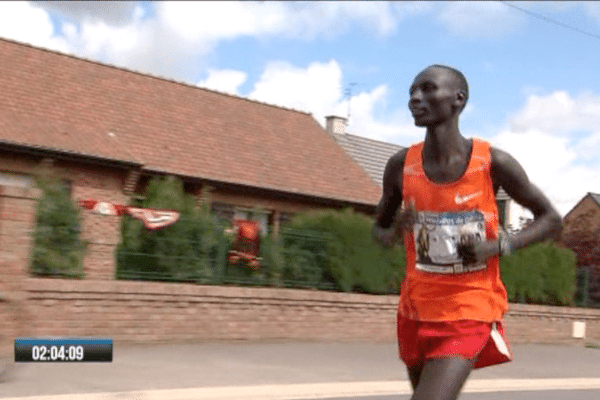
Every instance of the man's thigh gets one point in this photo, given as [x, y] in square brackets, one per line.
[440, 378]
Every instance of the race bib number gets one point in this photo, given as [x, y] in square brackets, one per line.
[437, 236]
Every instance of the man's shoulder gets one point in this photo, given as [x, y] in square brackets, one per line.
[499, 156]
[397, 160]
[400, 155]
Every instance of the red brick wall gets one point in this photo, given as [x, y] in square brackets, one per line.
[547, 324]
[150, 312]
[137, 311]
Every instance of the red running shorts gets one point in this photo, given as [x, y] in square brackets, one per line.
[483, 343]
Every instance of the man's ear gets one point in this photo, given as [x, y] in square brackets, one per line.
[460, 100]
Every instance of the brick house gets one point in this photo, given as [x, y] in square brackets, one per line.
[107, 131]
[581, 233]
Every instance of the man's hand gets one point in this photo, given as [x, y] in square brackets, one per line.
[474, 253]
[406, 219]
[386, 237]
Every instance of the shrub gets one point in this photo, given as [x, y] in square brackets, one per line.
[349, 259]
[273, 260]
[57, 247]
[183, 251]
[543, 273]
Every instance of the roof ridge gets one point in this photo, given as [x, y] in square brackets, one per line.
[148, 75]
[369, 139]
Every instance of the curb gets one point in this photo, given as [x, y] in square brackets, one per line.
[325, 390]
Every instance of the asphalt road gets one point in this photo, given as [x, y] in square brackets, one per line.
[239, 371]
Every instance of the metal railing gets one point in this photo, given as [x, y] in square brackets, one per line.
[294, 260]
[582, 294]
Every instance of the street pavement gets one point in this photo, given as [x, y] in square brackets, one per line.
[293, 370]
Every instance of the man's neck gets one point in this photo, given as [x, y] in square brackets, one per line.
[444, 144]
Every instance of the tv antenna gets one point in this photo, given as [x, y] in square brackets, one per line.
[348, 93]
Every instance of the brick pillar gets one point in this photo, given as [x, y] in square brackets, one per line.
[17, 218]
[101, 232]
[131, 181]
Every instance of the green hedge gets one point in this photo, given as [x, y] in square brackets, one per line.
[58, 249]
[324, 249]
[183, 251]
[544, 273]
[348, 258]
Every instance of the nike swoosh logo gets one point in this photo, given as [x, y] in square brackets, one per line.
[463, 199]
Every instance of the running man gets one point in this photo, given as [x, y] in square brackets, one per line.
[452, 300]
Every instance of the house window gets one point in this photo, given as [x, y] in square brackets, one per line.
[227, 212]
[15, 179]
[284, 218]
[502, 204]
[260, 216]
[223, 212]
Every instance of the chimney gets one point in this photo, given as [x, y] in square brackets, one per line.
[335, 124]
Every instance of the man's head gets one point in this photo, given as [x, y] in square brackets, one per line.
[438, 93]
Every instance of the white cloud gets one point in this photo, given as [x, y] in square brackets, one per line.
[196, 21]
[480, 19]
[318, 89]
[27, 23]
[98, 39]
[592, 9]
[111, 12]
[315, 89]
[556, 138]
[212, 21]
[369, 117]
[176, 39]
[559, 113]
[227, 81]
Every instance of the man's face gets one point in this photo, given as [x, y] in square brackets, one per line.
[433, 96]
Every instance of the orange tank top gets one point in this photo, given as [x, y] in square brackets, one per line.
[437, 286]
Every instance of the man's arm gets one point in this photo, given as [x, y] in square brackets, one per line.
[509, 174]
[384, 231]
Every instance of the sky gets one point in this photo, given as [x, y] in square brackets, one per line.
[532, 67]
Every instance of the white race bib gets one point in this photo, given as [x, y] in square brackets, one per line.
[437, 236]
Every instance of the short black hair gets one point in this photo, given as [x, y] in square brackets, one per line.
[461, 79]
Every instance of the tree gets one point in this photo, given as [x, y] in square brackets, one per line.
[57, 246]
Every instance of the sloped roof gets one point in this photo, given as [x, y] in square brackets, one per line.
[372, 155]
[59, 102]
[595, 197]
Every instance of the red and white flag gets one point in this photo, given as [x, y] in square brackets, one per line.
[102, 207]
[153, 219]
